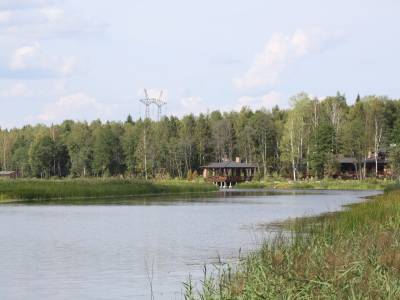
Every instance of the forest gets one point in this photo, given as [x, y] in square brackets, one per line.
[305, 140]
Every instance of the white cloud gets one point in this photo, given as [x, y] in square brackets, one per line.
[43, 20]
[33, 58]
[24, 4]
[188, 105]
[52, 13]
[17, 90]
[279, 52]
[5, 16]
[23, 55]
[78, 106]
[193, 104]
[266, 101]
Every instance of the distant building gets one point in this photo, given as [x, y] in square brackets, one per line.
[228, 173]
[8, 174]
[349, 166]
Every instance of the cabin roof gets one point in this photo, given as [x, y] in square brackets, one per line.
[347, 160]
[352, 160]
[229, 165]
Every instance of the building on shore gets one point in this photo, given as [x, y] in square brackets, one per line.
[228, 173]
[349, 167]
[8, 174]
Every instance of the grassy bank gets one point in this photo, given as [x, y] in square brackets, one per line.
[353, 254]
[325, 184]
[93, 188]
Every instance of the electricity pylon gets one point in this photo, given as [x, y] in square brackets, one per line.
[159, 102]
[147, 102]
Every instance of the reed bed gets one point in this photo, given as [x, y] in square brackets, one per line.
[33, 189]
[324, 184]
[352, 254]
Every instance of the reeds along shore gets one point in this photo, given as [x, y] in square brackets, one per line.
[325, 184]
[353, 254]
[94, 188]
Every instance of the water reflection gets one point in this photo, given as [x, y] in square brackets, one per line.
[105, 250]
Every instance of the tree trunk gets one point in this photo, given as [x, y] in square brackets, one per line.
[292, 150]
[365, 167]
[145, 154]
[4, 153]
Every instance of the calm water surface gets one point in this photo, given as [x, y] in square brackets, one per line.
[113, 250]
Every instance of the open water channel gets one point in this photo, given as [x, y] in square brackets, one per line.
[117, 249]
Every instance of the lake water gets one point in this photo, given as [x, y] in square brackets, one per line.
[114, 250]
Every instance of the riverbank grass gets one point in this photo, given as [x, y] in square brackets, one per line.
[353, 254]
[94, 188]
[324, 184]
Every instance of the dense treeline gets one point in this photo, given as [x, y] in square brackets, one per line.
[306, 139]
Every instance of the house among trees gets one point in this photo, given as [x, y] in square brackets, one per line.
[227, 173]
[8, 174]
[350, 167]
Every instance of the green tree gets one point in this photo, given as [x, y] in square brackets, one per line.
[321, 150]
[107, 151]
[42, 155]
[80, 148]
[20, 154]
[264, 139]
[394, 160]
[296, 135]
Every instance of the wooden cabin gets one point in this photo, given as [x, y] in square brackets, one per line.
[228, 173]
[8, 174]
[348, 167]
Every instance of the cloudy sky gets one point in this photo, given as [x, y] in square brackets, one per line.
[91, 59]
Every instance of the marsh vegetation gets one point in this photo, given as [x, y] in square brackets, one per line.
[323, 184]
[32, 189]
[353, 254]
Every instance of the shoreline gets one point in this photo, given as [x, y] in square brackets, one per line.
[317, 258]
[34, 191]
[324, 184]
[9, 201]
[91, 189]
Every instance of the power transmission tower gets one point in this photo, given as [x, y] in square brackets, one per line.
[159, 102]
[147, 102]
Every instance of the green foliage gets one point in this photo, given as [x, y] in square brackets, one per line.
[325, 184]
[42, 156]
[395, 161]
[80, 152]
[322, 145]
[35, 189]
[108, 157]
[352, 254]
[303, 141]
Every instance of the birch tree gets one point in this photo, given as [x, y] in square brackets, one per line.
[297, 130]
[375, 125]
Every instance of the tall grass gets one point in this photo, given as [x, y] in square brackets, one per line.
[353, 254]
[81, 188]
[326, 184]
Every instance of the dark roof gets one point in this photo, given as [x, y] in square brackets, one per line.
[380, 160]
[229, 165]
[352, 160]
[347, 160]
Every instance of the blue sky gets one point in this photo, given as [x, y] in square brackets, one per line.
[91, 59]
